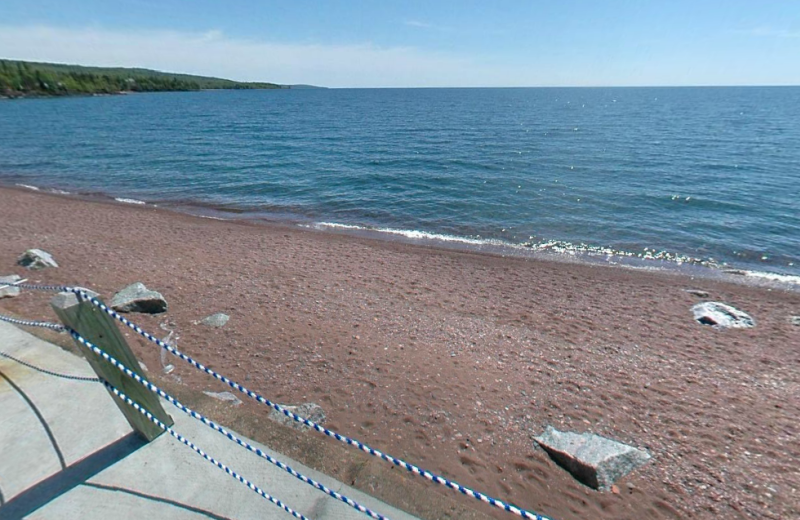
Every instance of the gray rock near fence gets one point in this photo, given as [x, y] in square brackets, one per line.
[593, 460]
[138, 298]
[722, 316]
[310, 411]
[224, 396]
[36, 259]
[216, 320]
[9, 291]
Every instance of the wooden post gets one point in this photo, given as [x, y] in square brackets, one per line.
[101, 330]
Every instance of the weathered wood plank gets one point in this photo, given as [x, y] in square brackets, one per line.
[101, 330]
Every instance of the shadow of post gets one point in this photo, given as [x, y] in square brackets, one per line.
[72, 476]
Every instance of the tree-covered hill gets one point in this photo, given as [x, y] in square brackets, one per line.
[22, 79]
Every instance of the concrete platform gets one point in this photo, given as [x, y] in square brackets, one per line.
[66, 452]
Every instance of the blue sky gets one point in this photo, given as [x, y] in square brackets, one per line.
[421, 43]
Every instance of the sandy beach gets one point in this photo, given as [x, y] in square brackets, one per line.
[455, 360]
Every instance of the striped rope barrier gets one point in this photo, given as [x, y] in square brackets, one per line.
[31, 323]
[50, 372]
[203, 454]
[500, 504]
[214, 426]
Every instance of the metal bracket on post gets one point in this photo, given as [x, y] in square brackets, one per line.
[101, 330]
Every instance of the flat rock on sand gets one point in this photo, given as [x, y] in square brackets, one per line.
[215, 320]
[310, 411]
[596, 461]
[9, 291]
[722, 316]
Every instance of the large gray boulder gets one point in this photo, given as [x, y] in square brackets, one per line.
[36, 259]
[8, 291]
[594, 460]
[722, 316]
[310, 411]
[138, 298]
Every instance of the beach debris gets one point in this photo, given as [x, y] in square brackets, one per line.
[795, 320]
[697, 292]
[9, 291]
[36, 259]
[595, 461]
[138, 298]
[310, 411]
[722, 316]
[170, 339]
[215, 320]
[224, 396]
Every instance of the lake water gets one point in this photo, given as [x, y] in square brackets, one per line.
[685, 175]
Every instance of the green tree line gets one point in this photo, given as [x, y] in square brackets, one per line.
[21, 78]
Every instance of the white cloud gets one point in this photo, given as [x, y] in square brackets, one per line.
[766, 30]
[425, 25]
[213, 53]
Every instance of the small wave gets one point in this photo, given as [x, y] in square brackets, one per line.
[565, 248]
[59, 192]
[415, 234]
[763, 275]
[28, 186]
[130, 201]
[213, 218]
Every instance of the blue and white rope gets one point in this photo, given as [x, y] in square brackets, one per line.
[31, 323]
[203, 454]
[50, 372]
[211, 424]
[83, 295]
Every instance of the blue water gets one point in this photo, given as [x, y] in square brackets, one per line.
[706, 175]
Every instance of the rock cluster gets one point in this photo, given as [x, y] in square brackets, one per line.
[138, 298]
[593, 460]
[36, 259]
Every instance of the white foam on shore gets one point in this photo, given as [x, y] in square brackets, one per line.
[415, 235]
[130, 201]
[562, 248]
[28, 186]
[774, 277]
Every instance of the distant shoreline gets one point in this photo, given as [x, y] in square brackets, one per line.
[25, 79]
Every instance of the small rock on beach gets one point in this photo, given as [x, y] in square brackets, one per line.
[722, 316]
[310, 411]
[595, 461]
[36, 259]
[216, 320]
[224, 396]
[138, 298]
[697, 292]
[9, 291]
